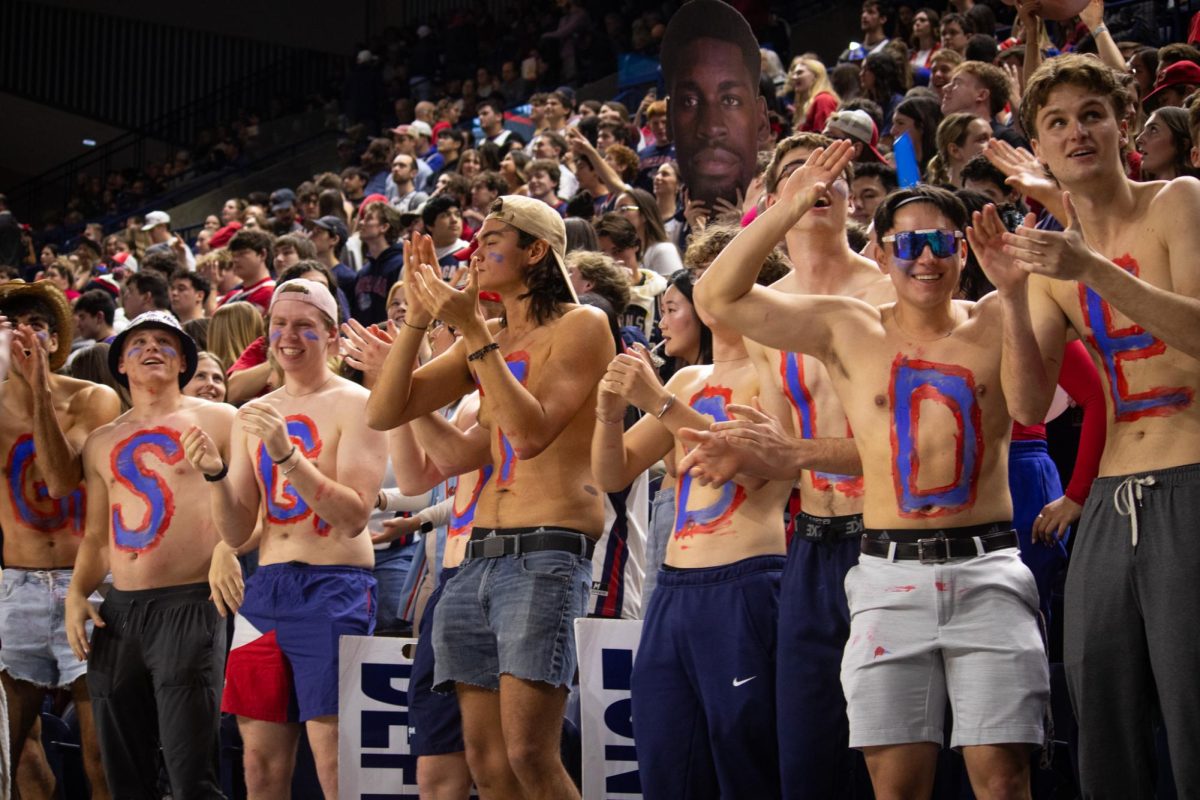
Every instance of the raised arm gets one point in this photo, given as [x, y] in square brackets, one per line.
[608, 176]
[619, 456]
[1027, 374]
[415, 469]
[235, 497]
[583, 346]
[344, 500]
[58, 450]
[404, 392]
[1093, 17]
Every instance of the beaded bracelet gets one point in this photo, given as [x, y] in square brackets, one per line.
[483, 351]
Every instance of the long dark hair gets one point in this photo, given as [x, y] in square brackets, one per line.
[548, 290]
[683, 282]
[888, 79]
[648, 207]
[927, 113]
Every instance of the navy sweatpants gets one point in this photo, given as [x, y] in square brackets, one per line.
[816, 762]
[704, 683]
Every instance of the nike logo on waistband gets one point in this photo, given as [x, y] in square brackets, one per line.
[737, 683]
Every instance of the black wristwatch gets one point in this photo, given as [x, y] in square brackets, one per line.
[426, 527]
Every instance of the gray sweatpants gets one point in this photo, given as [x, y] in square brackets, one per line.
[1131, 644]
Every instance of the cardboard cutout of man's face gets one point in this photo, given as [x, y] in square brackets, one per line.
[716, 120]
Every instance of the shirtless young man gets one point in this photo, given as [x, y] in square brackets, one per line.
[155, 656]
[814, 621]
[536, 520]
[302, 462]
[704, 679]
[1122, 277]
[45, 420]
[941, 605]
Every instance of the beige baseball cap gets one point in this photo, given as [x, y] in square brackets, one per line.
[304, 290]
[538, 219]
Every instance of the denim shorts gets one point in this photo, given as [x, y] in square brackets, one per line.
[512, 615]
[33, 627]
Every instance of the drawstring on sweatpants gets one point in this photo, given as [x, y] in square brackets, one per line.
[1128, 499]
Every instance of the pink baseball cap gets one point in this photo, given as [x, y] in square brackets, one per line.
[302, 290]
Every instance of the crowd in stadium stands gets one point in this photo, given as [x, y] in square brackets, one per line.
[937, 118]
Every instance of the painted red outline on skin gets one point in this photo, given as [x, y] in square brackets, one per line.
[129, 470]
[719, 513]
[290, 507]
[905, 458]
[1114, 346]
[805, 411]
[42, 513]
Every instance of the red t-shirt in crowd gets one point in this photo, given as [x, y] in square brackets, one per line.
[257, 293]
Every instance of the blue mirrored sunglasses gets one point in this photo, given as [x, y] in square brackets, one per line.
[909, 244]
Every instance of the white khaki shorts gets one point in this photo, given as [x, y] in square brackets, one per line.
[966, 631]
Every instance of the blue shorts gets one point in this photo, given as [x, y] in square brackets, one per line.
[511, 615]
[33, 633]
[703, 683]
[434, 721]
[283, 666]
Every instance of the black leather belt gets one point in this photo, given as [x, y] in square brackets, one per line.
[938, 549]
[493, 543]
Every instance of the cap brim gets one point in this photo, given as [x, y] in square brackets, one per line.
[190, 353]
[566, 276]
[1158, 91]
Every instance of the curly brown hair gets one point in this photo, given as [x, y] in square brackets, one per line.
[705, 246]
[609, 279]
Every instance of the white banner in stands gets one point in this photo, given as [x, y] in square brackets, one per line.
[374, 761]
[607, 648]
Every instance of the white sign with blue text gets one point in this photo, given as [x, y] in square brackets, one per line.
[374, 760]
[607, 648]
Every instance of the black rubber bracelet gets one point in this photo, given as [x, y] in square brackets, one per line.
[291, 453]
[220, 476]
[483, 351]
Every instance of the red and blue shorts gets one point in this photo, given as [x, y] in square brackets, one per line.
[283, 666]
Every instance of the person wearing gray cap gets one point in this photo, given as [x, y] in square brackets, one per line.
[157, 650]
[711, 64]
[158, 226]
[537, 520]
[328, 235]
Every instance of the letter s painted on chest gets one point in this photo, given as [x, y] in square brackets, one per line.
[131, 468]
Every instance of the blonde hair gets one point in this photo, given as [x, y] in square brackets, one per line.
[821, 83]
[233, 328]
[952, 130]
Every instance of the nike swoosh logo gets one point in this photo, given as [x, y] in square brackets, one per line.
[737, 683]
